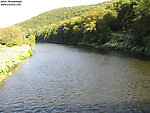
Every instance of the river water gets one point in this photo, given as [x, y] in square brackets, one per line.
[60, 78]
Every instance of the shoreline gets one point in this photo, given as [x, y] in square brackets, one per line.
[128, 52]
[10, 57]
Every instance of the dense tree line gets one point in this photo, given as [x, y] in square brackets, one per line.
[121, 25]
[88, 28]
[55, 16]
[39, 24]
[11, 36]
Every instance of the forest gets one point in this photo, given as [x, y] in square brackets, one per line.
[118, 24]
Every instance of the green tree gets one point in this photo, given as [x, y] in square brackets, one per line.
[126, 14]
[12, 36]
[142, 8]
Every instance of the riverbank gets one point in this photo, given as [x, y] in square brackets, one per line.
[114, 45]
[123, 42]
[12, 56]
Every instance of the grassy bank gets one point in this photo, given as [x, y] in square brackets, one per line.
[11, 56]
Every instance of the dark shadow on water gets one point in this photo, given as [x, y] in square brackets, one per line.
[106, 51]
[112, 53]
[124, 107]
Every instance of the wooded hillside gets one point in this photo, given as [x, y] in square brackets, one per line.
[117, 24]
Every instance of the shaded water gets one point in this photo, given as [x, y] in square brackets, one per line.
[59, 78]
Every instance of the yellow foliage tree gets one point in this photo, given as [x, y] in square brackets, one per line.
[11, 36]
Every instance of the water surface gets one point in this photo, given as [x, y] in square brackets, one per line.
[60, 78]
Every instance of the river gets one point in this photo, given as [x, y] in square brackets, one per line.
[61, 78]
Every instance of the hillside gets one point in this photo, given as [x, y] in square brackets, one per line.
[57, 15]
[117, 24]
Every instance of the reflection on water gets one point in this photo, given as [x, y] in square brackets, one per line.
[64, 78]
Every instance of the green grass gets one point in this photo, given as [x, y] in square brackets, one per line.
[12, 56]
